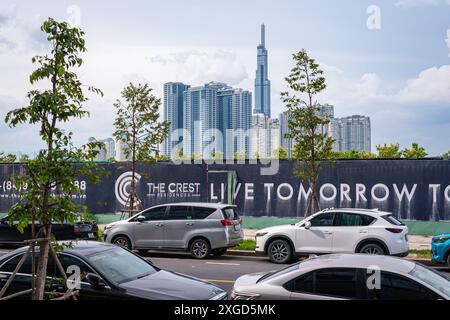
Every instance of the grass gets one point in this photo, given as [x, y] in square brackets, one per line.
[247, 244]
[424, 253]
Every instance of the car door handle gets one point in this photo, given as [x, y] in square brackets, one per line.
[189, 223]
[362, 231]
[160, 224]
[328, 232]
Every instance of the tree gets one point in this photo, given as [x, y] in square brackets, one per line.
[51, 177]
[24, 158]
[9, 158]
[416, 152]
[279, 153]
[354, 154]
[446, 155]
[138, 128]
[311, 144]
[391, 151]
[239, 155]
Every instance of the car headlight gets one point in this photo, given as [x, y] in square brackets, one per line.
[244, 296]
[108, 227]
[260, 234]
[441, 239]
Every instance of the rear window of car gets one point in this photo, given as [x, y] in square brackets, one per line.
[393, 220]
[230, 213]
[202, 213]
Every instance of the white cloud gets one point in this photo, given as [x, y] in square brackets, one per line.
[448, 41]
[18, 34]
[419, 3]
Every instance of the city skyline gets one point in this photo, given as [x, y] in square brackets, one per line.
[400, 81]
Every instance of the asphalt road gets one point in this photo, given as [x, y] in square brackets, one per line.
[222, 271]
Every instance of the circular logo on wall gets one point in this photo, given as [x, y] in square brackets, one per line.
[123, 184]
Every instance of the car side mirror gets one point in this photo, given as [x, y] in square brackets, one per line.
[95, 281]
[140, 219]
[307, 225]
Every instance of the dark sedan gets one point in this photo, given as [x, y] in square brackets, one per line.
[111, 272]
[9, 235]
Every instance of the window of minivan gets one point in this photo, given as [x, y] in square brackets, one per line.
[154, 214]
[230, 213]
[180, 213]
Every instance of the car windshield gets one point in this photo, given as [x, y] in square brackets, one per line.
[432, 278]
[280, 272]
[120, 265]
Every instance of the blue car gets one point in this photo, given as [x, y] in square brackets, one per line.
[440, 247]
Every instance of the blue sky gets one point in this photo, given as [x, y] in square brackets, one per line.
[399, 74]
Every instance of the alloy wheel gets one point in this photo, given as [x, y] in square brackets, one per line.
[122, 242]
[200, 249]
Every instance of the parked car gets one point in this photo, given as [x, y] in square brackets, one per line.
[111, 272]
[201, 228]
[346, 277]
[81, 229]
[335, 231]
[440, 247]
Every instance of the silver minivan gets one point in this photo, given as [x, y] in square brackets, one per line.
[201, 228]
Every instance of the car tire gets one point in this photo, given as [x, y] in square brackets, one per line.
[448, 260]
[280, 251]
[200, 248]
[122, 241]
[219, 252]
[372, 248]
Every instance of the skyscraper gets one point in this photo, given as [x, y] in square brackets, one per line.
[262, 83]
[264, 136]
[174, 113]
[285, 143]
[235, 108]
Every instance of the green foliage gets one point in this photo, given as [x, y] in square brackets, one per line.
[354, 154]
[49, 181]
[311, 145]
[138, 128]
[446, 155]
[217, 155]
[239, 155]
[391, 151]
[9, 158]
[196, 156]
[280, 153]
[178, 155]
[416, 152]
[24, 158]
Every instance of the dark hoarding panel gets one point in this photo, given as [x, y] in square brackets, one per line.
[412, 189]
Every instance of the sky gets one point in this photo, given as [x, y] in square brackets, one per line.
[389, 60]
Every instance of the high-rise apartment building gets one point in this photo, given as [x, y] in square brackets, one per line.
[216, 118]
[264, 136]
[174, 113]
[107, 152]
[285, 143]
[262, 82]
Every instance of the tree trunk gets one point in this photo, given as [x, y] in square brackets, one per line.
[132, 187]
[44, 248]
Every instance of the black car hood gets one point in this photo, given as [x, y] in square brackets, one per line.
[165, 285]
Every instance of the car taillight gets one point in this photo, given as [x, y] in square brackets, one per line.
[226, 223]
[394, 230]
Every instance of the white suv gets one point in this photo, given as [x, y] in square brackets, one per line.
[335, 231]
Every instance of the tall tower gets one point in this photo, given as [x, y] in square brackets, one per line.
[262, 83]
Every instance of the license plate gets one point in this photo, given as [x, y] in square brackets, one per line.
[91, 235]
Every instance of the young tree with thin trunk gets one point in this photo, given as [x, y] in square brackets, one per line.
[50, 179]
[311, 144]
[139, 129]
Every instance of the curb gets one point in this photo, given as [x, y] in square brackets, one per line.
[249, 253]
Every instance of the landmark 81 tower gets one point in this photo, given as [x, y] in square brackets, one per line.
[262, 83]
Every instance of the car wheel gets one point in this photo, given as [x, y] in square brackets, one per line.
[372, 248]
[219, 252]
[200, 249]
[280, 251]
[122, 241]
